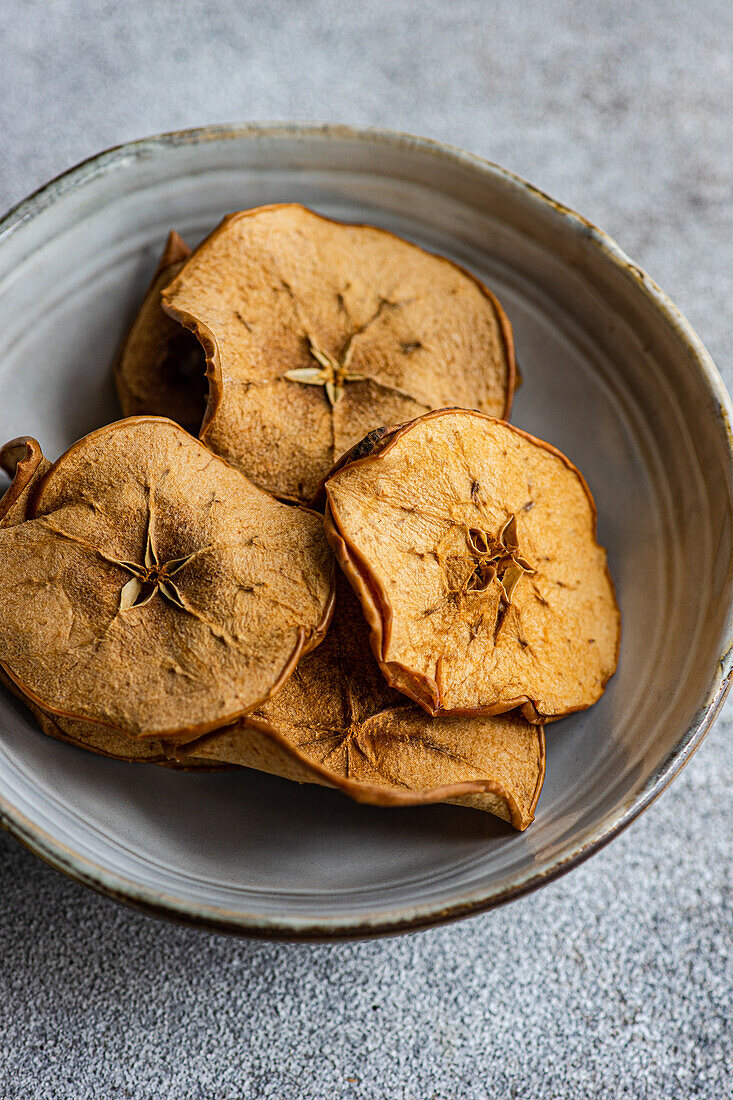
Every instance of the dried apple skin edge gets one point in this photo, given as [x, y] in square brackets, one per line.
[375, 604]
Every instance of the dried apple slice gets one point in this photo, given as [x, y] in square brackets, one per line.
[160, 370]
[23, 461]
[155, 590]
[337, 723]
[472, 547]
[316, 331]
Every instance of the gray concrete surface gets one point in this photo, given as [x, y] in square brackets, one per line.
[616, 980]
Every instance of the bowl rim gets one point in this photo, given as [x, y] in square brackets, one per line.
[154, 902]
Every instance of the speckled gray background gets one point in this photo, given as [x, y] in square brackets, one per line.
[616, 980]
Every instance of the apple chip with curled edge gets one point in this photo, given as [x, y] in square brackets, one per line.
[160, 370]
[336, 722]
[472, 547]
[316, 331]
[23, 461]
[154, 589]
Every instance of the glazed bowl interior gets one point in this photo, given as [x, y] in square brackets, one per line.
[613, 376]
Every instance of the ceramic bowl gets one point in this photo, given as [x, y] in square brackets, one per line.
[614, 376]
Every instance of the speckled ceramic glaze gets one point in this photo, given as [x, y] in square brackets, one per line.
[614, 376]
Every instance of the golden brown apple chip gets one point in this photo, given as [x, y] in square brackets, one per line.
[337, 723]
[160, 370]
[316, 331]
[23, 462]
[155, 590]
[472, 547]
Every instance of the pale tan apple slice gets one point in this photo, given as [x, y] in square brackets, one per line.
[153, 588]
[316, 331]
[472, 547]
